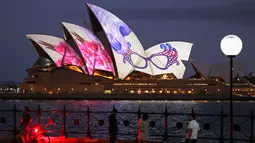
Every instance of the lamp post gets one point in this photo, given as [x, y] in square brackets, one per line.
[231, 46]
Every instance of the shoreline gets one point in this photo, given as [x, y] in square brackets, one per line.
[145, 97]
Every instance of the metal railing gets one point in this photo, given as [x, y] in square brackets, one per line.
[164, 126]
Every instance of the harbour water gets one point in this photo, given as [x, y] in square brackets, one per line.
[159, 106]
[240, 108]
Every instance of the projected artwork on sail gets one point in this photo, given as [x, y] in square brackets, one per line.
[126, 47]
[167, 57]
[93, 52]
[58, 50]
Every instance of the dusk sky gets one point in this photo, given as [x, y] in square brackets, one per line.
[201, 22]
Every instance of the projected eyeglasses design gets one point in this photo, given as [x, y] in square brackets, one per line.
[169, 52]
[124, 42]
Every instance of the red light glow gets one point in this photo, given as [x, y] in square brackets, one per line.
[36, 130]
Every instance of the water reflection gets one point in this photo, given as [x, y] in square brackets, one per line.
[125, 105]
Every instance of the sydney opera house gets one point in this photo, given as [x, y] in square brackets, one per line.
[111, 59]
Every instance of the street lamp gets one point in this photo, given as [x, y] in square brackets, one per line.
[231, 46]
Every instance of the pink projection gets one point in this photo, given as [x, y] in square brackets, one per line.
[70, 57]
[94, 54]
[88, 54]
[58, 50]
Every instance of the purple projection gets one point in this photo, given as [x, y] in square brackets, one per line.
[126, 46]
[167, 58]
[168, 51]
[122, 40]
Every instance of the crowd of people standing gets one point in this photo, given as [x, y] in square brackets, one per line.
[143, 129]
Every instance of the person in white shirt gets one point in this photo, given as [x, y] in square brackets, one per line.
[193, 129]
[143, 135]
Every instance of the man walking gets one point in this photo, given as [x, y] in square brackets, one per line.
[113, 126]
[193, 129]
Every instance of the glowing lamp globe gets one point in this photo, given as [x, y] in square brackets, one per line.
[231, 45]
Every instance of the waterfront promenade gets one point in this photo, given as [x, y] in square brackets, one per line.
[77, 140]
[167, 125]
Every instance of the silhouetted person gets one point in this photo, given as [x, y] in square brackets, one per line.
[113, 126]
[143, 135]
[187, 136]
[193, 129]
[24, 126]
[26, 118]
